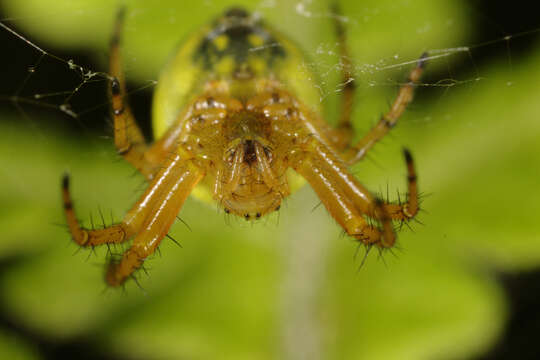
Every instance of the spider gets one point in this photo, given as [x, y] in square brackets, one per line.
[238, 123]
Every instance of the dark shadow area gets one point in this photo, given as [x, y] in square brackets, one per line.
[494, 20]
[57, 81]
[520, 338]
[491, 22]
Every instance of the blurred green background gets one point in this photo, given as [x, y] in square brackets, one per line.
[287, 287]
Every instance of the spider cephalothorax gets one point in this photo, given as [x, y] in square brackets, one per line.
[237, 145]
[238, 122]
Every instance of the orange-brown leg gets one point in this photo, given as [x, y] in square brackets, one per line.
[149, 219]
[172, 179]
[405, 95]
[166, 196]
[128, 138]
[344, 197]
[133, 220]
[115, 233]
[360, 196]
[130, 144]
[410, 208]
[344, 129]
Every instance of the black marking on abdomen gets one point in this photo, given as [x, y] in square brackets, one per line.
[237, 25]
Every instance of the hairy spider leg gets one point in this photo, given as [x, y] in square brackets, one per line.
[115, 233]
[361, 196]
[348, 83]
[148, 220]
[160, 205]
[128, 138]
[343, 196]
[405, 95]
[171, 181]
[410, 208]
[136, 218]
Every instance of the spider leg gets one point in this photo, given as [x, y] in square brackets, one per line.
[161, 204]
[344, 129]
[410, 208]
[128, 138]
[115, 233]
[361, 197]
[160, 192]
[343, 196]
[405, 95]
